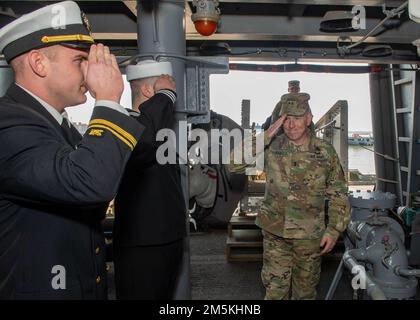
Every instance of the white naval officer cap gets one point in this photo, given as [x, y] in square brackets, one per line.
[148, 68]
[59, 23]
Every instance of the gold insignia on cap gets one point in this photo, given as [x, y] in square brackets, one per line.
[72, 37]
[86, 23]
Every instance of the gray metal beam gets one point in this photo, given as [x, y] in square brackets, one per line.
[400, 39]
[383, 126]
[397, 39]
[6, 77]
[292, 53]
[256, 27]
[305, 26]
[367, 3]
[413, 180]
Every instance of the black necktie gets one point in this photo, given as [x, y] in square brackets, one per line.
[68, 133]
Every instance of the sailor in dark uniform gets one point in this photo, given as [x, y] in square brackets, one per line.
[150, 213]
[55, 185]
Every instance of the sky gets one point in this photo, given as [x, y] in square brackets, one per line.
[264, 89]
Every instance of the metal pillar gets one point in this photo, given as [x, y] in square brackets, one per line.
[384, 133]
[161, 29]
[333, 127]
[406, 97]
[6, 77]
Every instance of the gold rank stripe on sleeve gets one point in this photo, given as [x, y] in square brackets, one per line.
[73, 37]
[128, 143]
[117, 128]
[120, 133]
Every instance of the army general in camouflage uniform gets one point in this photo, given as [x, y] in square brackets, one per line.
[293, 87]
[302, 172]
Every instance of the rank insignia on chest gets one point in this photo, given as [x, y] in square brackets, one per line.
[281, 153]
[318, 155]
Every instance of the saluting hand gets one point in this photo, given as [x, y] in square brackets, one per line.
[102, 74]
[164, 82]
[272, 130]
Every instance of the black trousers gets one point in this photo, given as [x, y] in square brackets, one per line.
[147, 272]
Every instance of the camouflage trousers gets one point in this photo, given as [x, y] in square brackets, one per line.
[290, 264]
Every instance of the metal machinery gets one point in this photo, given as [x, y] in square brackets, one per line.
[214, 191]
[376, 251]
[203, 37]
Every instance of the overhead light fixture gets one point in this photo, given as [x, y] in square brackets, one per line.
[414, 10]
[337, 21]
[206, 17]
[375, 51]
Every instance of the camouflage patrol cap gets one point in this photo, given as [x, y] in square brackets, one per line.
[294, 83]
[294, 104]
